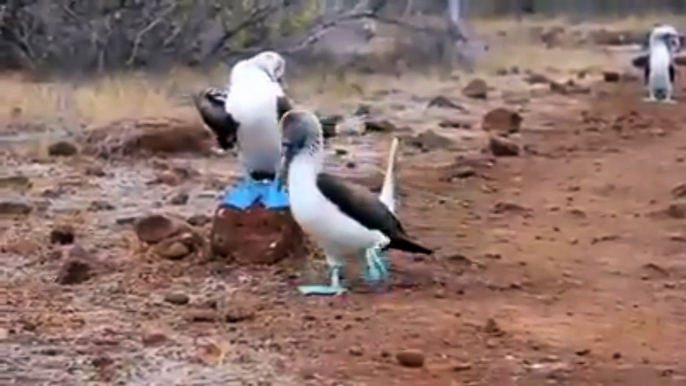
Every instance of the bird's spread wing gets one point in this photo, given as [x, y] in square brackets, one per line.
[359, 204]
[210, 104]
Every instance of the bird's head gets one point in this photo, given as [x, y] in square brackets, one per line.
[302, 132]
[272, 64]
[668, 35]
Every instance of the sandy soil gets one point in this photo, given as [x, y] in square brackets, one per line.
[565, 265]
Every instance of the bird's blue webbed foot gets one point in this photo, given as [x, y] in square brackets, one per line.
[275, 195]
[377, 269]
[244, 195]
[335, 288]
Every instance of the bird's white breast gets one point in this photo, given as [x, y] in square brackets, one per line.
[337, 233]
[252, 102]
[660, 60]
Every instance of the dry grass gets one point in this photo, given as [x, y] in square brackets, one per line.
[105, 99]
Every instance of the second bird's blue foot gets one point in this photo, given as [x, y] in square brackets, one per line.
[321, 290]
[275, 196]
[377, 267]
[333, 289]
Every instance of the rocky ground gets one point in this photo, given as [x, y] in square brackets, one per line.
[556, 207]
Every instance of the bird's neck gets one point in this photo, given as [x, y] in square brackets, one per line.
[305, 167]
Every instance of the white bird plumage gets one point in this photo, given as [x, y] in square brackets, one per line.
[252, 102]
[345, 219]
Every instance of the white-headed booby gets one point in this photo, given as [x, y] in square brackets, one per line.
[661, 71]
[250, 114]
[663, 43]
[346, 220]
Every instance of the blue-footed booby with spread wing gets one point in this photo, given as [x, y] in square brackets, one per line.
[248, 114]
[345, 219]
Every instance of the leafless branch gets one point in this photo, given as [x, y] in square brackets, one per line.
[150, 26]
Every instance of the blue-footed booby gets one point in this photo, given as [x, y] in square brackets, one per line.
[248, 114]
[345, 219]
[663, 43]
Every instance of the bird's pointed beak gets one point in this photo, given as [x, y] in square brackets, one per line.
[288, 157]
[282, 83]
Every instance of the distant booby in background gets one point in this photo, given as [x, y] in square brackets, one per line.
[663, 44]
[345, 219]
[249, 116]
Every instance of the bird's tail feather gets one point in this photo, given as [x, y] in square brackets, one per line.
[407, 245]
[387, 195]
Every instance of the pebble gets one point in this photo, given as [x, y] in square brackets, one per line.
[178, 299]
[410, 358]
[74, 271]
[62, 234]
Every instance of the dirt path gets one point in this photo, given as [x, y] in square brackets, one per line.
[565, 266]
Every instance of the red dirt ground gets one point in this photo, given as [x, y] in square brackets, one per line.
[563, 266]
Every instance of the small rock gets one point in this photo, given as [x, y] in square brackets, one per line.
[102, 361]
[363, 109]
[611, 76]
[676, 210]
[175, 250]
[382, 126]
[501, 121]
[679, 191]
[74, 271]
[155, 228]
[18, 182]
[503, 147]
[95, 170]
[62, 149]
[583, 352]
[429, 140]
[177, 298]
[444, 102]
[180, 198]
[14, 207]
[199, 220]
[508, 207]
[356, 351]
[154, 339]
[454, 124]
[410, 358]
[493, 328]
[202, 316]
[62, 234]
[237, 314]
[476, 89]
[534, 78]
[99, 206]
[459, 367]
[126, 220]
[463, 171]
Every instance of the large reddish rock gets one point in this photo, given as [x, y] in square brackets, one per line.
[149, 136]
[256, 235]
